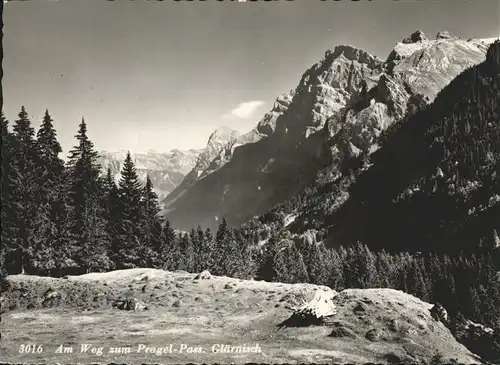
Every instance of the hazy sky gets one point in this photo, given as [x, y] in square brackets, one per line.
[163, 75]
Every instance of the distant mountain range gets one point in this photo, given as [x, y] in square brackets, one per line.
[338, 111]
[168, 170]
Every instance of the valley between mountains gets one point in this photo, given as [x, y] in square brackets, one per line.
[338, 110]
[375, 181]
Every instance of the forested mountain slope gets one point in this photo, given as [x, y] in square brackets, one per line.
[434, 184]
[340, 107]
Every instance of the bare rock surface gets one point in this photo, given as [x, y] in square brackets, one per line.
[394, 326]
[204, 275]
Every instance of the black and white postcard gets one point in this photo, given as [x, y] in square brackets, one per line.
[250, 181]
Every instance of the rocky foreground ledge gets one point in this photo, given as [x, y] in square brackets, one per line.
[168, 310]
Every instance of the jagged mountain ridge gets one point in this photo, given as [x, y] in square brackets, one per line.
[222, 139]
[438, 174]
[358, 94]
[434, 185]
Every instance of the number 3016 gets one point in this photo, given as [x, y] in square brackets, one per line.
[30, 349]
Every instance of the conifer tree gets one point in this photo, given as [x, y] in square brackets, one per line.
[130, 246]
[7, 233]
[151, 224]
[268, 257]
[385, 269]
[108, 182]
[22, 207]
[417, 284]
[130, 190]
[208, 253]
[289, 265]
[229, 254]
[201, 259]
[49, 150]
[88, 224]
[52, 228]
[489, 292]
[170, 254]
[187, 261]
[243, 263]
[221, 249]
[112, 209]
[317, 266]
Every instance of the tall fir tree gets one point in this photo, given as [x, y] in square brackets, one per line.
[151, 224]
[208, 252]
[52, 227]
[112, 209]
[198, 237]
[268, 257]
[49, 150]
[243, 264]
[88, 224]
[335, 269]
[187, 261]
[316, 264]
[223, 250]
[129, 246]
[288, 265]
[170, 254]
[7, 234]
[22, 185]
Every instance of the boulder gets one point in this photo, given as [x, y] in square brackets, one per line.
[315, 312]
[51, 298]
[341, 330]
[130, 304]
[204, 275]
[360, 308]
[439, 313]
[176, 304]
[373, 335]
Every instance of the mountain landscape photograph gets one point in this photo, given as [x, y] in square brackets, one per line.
[239, 182]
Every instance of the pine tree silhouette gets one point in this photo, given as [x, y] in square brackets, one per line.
[131, 244]
[24, 189]
[88, 222]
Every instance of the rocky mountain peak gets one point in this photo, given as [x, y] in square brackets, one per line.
[352, 54]
[325, 88]
[216, 143]
[223, 133]
[445, 35]
[415, 37]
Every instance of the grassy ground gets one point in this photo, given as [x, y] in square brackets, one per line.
[194, 315]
